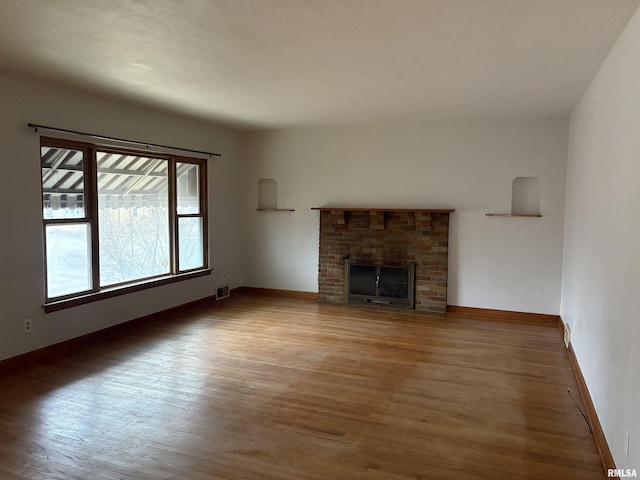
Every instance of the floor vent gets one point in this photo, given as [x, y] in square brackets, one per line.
[222, 292]
[567, 335]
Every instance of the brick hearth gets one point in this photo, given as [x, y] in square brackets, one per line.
[393, 238]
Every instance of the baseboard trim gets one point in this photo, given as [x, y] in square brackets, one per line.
[311, 296]
[598, 433]
[70, 344]
[508, 315]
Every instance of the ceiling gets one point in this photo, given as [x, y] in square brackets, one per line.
[278, 63]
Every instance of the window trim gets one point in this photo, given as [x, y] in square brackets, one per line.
[90, 169]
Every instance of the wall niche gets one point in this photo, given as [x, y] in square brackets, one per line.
[268, 196]
[525, 196]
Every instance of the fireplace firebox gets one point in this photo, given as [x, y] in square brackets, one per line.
[380, 284]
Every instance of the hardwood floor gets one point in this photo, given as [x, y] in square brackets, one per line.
[261, 387]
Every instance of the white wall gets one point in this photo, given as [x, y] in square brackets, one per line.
[497, 263]
[21, 255]
[601, 275]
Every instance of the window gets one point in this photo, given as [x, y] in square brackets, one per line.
[133, 218]
[114, 218]
[190, 216]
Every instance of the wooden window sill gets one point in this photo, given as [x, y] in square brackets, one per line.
[54, 306]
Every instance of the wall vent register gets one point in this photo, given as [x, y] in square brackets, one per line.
[222, 292]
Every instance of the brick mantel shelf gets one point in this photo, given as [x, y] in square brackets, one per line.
[360, 209]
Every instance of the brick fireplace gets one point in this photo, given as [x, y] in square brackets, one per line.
[389, 237]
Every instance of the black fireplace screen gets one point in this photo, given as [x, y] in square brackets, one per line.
[380, 284]
[394, 282]
[362, 280]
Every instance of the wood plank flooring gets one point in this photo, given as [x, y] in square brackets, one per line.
[259, 387]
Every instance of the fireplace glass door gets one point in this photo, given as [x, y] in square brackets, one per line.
[380, 284]
[363, 280]
[393, 282]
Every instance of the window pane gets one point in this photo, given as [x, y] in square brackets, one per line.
[133, 217]
[188, 187]
[190, 243]
[68, 259]
[62, 183]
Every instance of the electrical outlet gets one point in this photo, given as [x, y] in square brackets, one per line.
[626, 443]
[224, 275]
[28, 325]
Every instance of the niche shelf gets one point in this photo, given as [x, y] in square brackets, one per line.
[268, 196]
[275, 209]
[511, 215]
